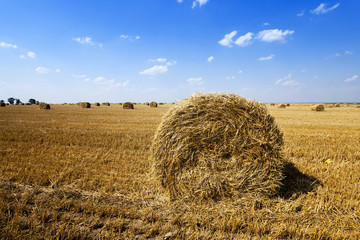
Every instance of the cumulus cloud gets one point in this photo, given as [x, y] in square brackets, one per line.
[84, 40]
[42, 70]
[227, 40]
[155, 70]
[266, 58]
[210, 59]
[31, 55]
[351, 79]
[199, 2]
[272, 35]
[7, 45]
[245, 40]
[322, 9]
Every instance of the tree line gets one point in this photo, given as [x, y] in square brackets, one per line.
[12, 100]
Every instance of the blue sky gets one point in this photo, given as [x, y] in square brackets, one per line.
[165, 50]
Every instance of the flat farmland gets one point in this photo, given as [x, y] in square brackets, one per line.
[77, 173]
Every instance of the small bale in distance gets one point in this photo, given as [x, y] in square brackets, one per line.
[147, 103]
[85, 105]
[282, 106]
[211, 146]
[337, 105]
[128, 105]
[43, 105]
[318, 108]
[288, 104]
[96, 104]
[272, 104]
[153, 104]
[105, 104]
[2, 104]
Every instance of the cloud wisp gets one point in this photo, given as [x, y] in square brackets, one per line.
[351, 79]
[42, 70]
[155, 70]
[266, 58]
[322, 9]
[7, 45]
[272, 35]
[198, 3]
[210, 59]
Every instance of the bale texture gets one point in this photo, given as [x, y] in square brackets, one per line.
[85, 105]
[153, 104]
[210, 146]
[43, 105]
[96, 104]
[128, 105]
[337, 105]
[318, 108]
[105, 104]
[282, 106]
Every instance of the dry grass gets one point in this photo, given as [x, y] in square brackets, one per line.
[84, 174]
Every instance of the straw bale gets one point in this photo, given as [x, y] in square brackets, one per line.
[318, 108]
[282, 106]
[337, 105]
[128, 105]
[288, 104]
[105, 104]
[210, 146]
[85, 105]
[43, 105]
[2, 104]
[96, 104]
[147, 103]
[272, 104]
[153, 104]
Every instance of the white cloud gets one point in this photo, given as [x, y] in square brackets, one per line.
[80, 76]
[155, 70]
[179, 1]
[230, 77]
[210, 59]
[22, 56]
[124, 36]
[86, 79]
[347, 52]
[267, 58]
[284, 78]
[300, 14]
[240, 71]
[84, 40]
[7, 45]
[124, 84]
[227, 40]
[161, 59]
[272, 35]
[58, 70]
[266, 24]
[103, 81]
[42, 70]
[197, 80]
[245, 40]
[351, 79]
[130, 38]
[170, 63]
[31, 55]
[321, 9]
[200, 2]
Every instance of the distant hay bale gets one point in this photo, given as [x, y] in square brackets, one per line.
[318, 108]
[161, 103]
[272, 104]
[337, 105]
[96, 104]
[105, 104]
[128, 105]
[288, 104]
[43, 105]
[282, 106]
[357, 106]
[153, 104]
[2, 104]
[85, 105]
[120, 103]
[210, 146]
[27, 103]
[147, 103]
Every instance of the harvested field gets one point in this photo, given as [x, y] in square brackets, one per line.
[76, 174]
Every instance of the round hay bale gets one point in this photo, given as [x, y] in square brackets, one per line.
[318, 108]
[337, 105]
[120, 103]
[43, 105]
[128, 105]
[96, 104]
[85, 105]
[216, 145]
[272, 104]
[282, 106]
[2, 104]
[147, 103]
[153, 104]
[105, 104]
[288, 104]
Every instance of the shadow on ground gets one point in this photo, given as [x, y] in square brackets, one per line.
[295, 182]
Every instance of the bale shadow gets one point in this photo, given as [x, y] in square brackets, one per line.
[295, 182]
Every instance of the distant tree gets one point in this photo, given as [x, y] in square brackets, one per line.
[11, 100]
[32, 101]
[17, 101]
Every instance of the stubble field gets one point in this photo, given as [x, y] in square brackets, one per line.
[74, 173]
